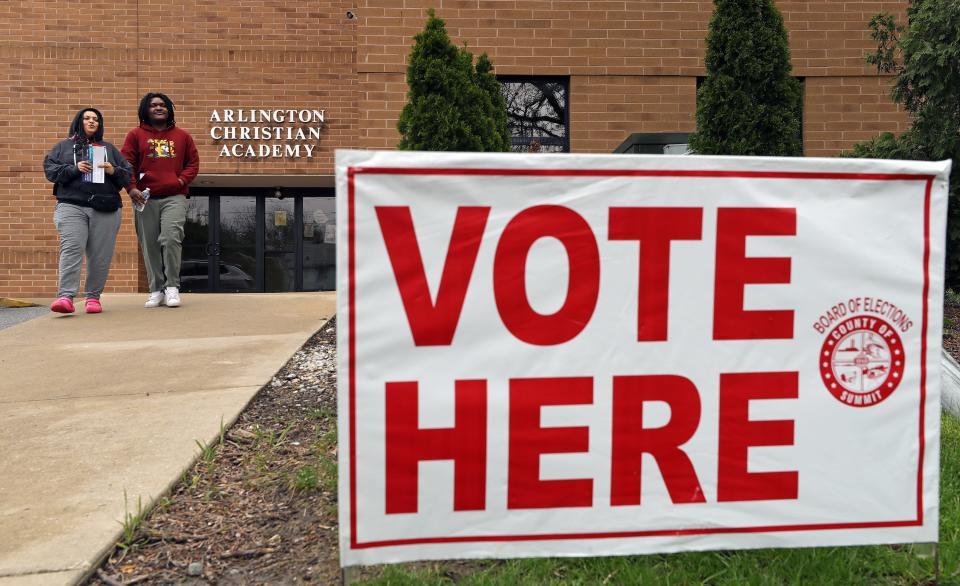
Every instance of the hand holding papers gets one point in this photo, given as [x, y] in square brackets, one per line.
[97, 155]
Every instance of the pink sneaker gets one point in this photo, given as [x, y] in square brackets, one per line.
[62, 305]
[93, 306]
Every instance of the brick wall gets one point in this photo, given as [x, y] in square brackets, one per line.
[381, 97]
[204, 54]
[605, 37]
[604, 110]
[841, 111]
[632, 66]
[41, 92]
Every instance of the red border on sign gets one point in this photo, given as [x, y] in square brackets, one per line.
[351, 264]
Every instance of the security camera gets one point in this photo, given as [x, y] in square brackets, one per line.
[277, 193]
[350, 15]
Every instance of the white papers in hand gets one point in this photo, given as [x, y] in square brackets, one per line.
[99, 156]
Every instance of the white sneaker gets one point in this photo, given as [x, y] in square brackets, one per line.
[156, 298]
[172, 295]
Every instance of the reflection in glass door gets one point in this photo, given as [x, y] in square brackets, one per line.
[237, 244]
[319, 244]
[229, 244]
[243, 240]
[279, 245]
[194, 273]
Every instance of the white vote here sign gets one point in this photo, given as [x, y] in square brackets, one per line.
[603, 355]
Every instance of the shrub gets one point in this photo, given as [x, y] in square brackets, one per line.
[749, 104]
[451, 106]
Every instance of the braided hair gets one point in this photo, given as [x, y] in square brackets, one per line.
[144, 110]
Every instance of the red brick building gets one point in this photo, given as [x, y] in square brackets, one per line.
[336, 68]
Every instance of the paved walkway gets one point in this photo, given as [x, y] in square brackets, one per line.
[95, 405]
[11, 316]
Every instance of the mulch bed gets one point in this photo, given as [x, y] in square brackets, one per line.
[261, 507]
[951, 330]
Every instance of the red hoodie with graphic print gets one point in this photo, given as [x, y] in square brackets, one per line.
[165, 160]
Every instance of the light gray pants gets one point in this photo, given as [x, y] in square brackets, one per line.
[84, 231]
[160, 231]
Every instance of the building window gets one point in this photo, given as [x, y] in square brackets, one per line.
[537, 113]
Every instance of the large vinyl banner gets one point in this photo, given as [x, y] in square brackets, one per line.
[545, 355]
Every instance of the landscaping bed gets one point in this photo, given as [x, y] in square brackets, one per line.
[261, 508]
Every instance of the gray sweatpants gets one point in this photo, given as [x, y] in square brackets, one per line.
[85, 232]
[160, 231]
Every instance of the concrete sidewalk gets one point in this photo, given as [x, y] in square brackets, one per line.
[95, 405]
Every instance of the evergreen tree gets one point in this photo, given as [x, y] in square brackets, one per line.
[496, 137]
[748, 103]
[926, 59]
[450, 105]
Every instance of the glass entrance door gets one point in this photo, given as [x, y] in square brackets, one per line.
[280, 244]
[219, 255]
[247, 240]
[194, 268]
[236, 248]
[319, 244]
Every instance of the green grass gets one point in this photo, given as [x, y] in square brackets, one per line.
[327, 468]
[208, 455]
[322, 414]
[326, 440]
[950, 501]
[868, 566]
[269, 439]
[305, 478]
[132, 522]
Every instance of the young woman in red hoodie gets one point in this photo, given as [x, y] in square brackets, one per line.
[165, 160]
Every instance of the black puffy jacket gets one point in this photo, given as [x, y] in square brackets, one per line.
[60, 167]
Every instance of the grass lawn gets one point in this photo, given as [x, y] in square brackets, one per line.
[823, 565]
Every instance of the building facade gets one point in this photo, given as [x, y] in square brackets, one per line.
[271, 88]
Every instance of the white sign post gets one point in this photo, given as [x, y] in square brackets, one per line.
[566, 355]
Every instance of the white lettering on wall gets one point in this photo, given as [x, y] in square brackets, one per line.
[298, 129]
[267, 151]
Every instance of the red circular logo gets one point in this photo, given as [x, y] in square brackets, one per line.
[861, 361]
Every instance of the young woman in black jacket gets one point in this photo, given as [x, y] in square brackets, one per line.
[87, 215]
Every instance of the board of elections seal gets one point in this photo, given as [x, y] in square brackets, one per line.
[861, 361]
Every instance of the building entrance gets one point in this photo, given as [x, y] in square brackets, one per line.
[250, 240]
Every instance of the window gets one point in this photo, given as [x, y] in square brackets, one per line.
[537, 113]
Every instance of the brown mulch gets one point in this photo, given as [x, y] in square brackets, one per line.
[951, 329]
[261, 506]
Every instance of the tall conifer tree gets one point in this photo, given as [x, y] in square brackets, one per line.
[451, 106]
[496, 133]
[748, 103]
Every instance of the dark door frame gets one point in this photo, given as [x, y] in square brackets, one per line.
[260, 194]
